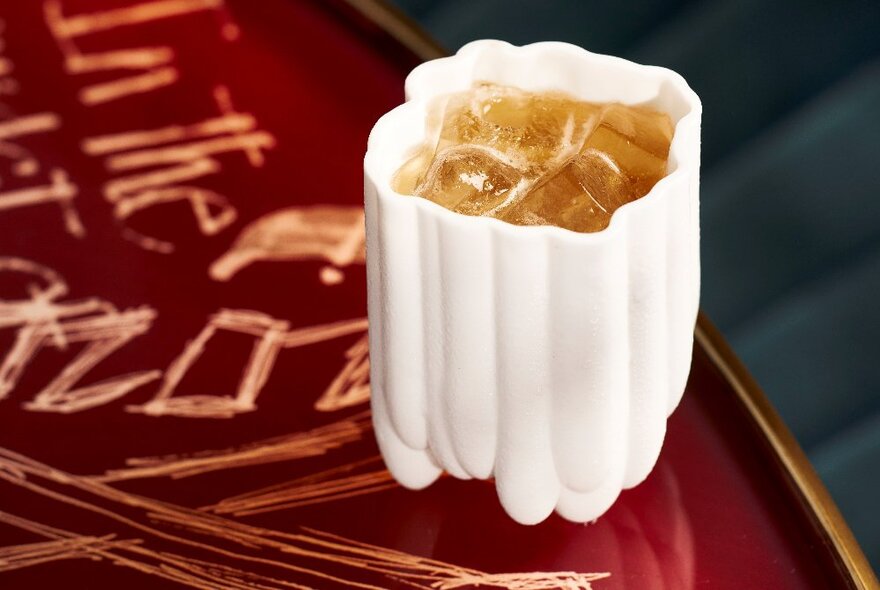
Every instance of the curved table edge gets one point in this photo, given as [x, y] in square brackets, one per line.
[803, 478]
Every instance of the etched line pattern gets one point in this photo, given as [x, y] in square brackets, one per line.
[60, 190]
[156, 165]
[238, 127]
[85, 24]
[162, 161]
[351, 386]
[300, 445]
[29, 125]
[42, 321]
[270, 335]
[338, 483]
[196, 573]
[309, 553]
[31, 554]
[23, 164]
[137, 84]
[8, 84]
[328, 233]
[35, 309]
[103, 335]
[62, 546]
[155, 63]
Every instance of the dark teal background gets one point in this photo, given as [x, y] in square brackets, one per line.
[790, 192]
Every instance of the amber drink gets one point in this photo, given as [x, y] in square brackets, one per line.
[536, 328]
[533, 158]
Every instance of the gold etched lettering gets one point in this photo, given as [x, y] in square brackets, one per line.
[157, 62]
[146, 242]
[248, 143]
[177, 154]
[86, 24]
[23, 161]
[272, 335]
[232, 122]
[330, 233]
[60, 190]
[116, 190]
[352, 385]
[28, 125]
[105, 92]
[122, 59]
[42, 320]
[103, 335]
[201, 201]
[8, 84]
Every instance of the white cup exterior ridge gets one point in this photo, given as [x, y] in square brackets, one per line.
[547, 359]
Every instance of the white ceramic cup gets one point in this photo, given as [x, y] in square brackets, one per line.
[544, 358]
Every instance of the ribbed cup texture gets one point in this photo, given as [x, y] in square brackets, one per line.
[544, 358]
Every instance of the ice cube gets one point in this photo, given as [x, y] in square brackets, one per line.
[579, 195]
[527, 128]
[637, 140]
[468, 179]
[412, 173]
[537, 158]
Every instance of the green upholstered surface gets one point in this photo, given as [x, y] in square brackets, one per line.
[790, 192]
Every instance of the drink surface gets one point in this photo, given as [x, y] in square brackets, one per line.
[536, 158]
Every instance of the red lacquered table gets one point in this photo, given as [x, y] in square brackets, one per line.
[183, 363]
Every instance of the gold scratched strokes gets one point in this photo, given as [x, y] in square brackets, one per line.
[307, 554]
[332, 233]
[299, 445]
[272, 335]
[191, 572]
[45, 319]
[356, 478]
[63, 546]
[156, 165]
[155, 64]
[351, 386]
[349, 480]
[153, 164]
[24, 166]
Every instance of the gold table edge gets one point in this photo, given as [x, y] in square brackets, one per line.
[789, 453]
[400, 27]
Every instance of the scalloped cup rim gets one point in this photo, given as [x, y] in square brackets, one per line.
[421, 86]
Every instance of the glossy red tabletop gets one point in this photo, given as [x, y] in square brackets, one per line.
[183, 388]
